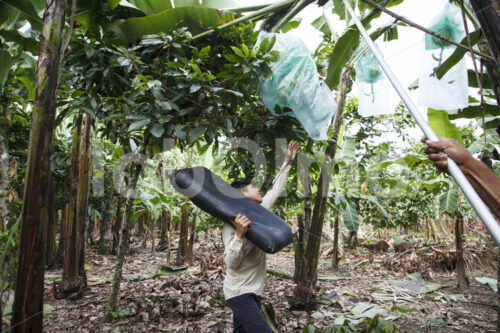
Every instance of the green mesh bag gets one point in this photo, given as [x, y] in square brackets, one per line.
[375, 94]
[367, 67]
[448, 24]
[451, 91]
[295, 84]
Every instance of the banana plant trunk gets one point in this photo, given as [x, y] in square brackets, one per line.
[488, 15]
[63, 226]
[51, 230]
[74, 279]
[304, 292]
[28, 301]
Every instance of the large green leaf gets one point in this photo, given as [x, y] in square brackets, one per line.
[28, 84]
[196, 19]
[442, 126]
[348, 150]
[340, 55]
[29, 44]
[457, 55]
[491, 122]
[138, 124]
[408, 161]
[449, 201]
[321, 25]
[186, 3]
[219, 4]
[434, 185]
[471, 74]
[113, 3]
[474, 111]
[5, 62]
[350, 215]
[151, 6]
[291, 25]
[344, 48]
[30, 9]
[339, 8]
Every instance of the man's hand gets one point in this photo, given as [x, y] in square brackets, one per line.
[449, 148]
[241, 223]
[291, 151]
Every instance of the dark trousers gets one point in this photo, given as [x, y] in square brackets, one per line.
[246, 314]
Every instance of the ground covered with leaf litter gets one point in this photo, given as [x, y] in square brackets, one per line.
[408, 289]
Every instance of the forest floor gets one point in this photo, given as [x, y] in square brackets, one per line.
[366, 283]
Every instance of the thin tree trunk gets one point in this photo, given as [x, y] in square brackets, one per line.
[152, 231]
[28, 301]
[189, 258]
[4, 182]
[335, 253]
[183, 236]
[298, 244]
[111, 306]
[462, 280]
[62, 236]
[308, 196]
[105, 233]
[169, 238]
[141, 232]
[51, 230]
[4, 160]
[160, 172]
[90, 226]
[304, 292]
[117, 225]
[498, 292]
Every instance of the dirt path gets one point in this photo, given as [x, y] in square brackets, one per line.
[192, 301]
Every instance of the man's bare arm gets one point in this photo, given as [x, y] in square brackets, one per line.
[280, 181]
[484, 181]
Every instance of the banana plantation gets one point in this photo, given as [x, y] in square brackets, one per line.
[104, 102]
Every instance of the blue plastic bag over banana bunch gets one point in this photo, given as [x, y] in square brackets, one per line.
[451, 92]
[375, 93]
[295, 84]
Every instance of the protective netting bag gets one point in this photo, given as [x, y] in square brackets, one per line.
[451, 92]
[295, 84]
[375, 93]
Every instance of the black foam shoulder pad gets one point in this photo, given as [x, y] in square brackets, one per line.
[216, 197]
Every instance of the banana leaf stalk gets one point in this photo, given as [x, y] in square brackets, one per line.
[253, 16]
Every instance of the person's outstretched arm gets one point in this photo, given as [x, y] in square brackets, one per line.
[485, 182]
[280, 181]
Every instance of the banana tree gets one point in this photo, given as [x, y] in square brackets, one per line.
[338, 76]
[28, 300]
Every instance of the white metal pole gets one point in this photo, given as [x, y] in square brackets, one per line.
[482, 211]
